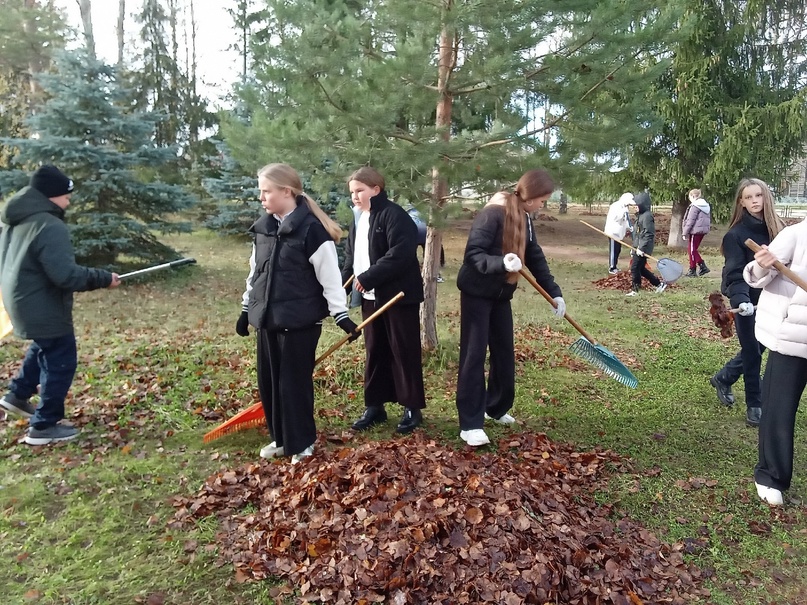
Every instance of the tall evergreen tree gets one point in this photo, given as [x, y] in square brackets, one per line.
[398, 83]
[87, 128]
[29, 34]
[732, 103]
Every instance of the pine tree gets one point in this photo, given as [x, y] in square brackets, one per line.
[87, 128]
[732, 104]
[436, 94]
[29, 34]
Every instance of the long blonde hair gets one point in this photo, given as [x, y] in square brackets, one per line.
[769, 216]
[283, 175]
[532, 184]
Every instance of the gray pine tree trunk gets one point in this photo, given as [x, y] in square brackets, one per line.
[676, 220]
[120, 30]
[85, 7]
[431, 253]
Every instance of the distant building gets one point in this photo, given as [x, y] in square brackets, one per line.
[795, 185]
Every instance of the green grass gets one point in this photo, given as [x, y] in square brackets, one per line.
[89, 522]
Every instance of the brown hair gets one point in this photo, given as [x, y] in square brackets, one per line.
[532, 184]
[769, 216]
[369, 176]
[283, 175]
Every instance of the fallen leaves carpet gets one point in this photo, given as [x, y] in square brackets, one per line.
[413, 521]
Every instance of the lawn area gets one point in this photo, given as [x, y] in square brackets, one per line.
[89, 522]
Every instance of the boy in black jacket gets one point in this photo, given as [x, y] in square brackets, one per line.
[644, 234]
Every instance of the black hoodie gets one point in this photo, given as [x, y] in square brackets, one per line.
[644, 231]
[738, 255]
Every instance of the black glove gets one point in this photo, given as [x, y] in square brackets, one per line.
[349, 326]
[242, 325]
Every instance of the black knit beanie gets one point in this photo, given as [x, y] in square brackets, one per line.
[51, 181]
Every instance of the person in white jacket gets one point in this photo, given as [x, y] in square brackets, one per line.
[617, 224]
[781, 326]
[696, 224]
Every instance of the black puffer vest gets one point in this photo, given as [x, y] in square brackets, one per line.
[286, 294]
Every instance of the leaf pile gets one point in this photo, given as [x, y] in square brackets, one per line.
[412, 521]
[622, 281]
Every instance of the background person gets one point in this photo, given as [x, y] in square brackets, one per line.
[618, 224]
[38, 275]
[696, 224]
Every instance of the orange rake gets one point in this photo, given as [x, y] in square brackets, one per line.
[254, 417]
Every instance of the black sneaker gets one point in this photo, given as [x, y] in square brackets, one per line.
[14, 405]
[57, 432]
[753, 416]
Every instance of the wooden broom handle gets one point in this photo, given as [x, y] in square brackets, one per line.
[339, 343]
[653, 258]
[549, 299]
[786, 271]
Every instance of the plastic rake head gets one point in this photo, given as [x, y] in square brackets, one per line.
[601, 357]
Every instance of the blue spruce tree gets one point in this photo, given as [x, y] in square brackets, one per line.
[87, 128]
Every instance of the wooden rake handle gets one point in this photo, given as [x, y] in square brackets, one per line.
[359, 328]
[786, 271]
[618, 240]
[549, 299]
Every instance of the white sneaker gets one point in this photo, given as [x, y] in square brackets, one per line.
[632, 293]
[271, 450]
[304, 454]
[613, 271]
[503, 419]
[474, 437]
[661, 287]
[769, 494]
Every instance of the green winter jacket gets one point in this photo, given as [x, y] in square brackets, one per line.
[38, 270]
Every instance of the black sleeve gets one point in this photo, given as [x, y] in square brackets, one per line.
[535, 259]
[734, 286]
[485, 231]
[402, 234]
[347, 266]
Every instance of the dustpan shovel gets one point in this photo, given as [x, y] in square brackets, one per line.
[588, 348]
[669, 269]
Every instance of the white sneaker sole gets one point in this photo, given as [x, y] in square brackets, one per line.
[14, 410]
[46, 440]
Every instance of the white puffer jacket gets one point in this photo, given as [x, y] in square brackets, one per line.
[781, 322]
[617, 222]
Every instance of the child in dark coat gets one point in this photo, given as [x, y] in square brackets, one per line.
[644, 237]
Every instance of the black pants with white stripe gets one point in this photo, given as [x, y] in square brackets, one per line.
[286, 384]
[785, 379]
[614, 248]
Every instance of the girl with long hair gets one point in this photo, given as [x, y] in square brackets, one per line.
[293, 284]
[501, 241]
[753, 218]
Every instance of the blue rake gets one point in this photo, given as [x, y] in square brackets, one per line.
[588, 348]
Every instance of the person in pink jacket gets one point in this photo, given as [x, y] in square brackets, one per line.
[697, 223]
[781, 326]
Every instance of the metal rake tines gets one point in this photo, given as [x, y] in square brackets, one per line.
[605, 360]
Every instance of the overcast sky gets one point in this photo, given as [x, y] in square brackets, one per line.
[216, 66]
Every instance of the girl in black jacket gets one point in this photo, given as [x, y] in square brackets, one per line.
[381, 252]
[753, 218]
[293, 284]
[501, 236]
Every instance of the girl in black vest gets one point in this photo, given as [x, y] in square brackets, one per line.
[381, 252]
[501, 236]
[293, 284]
[753, 218]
